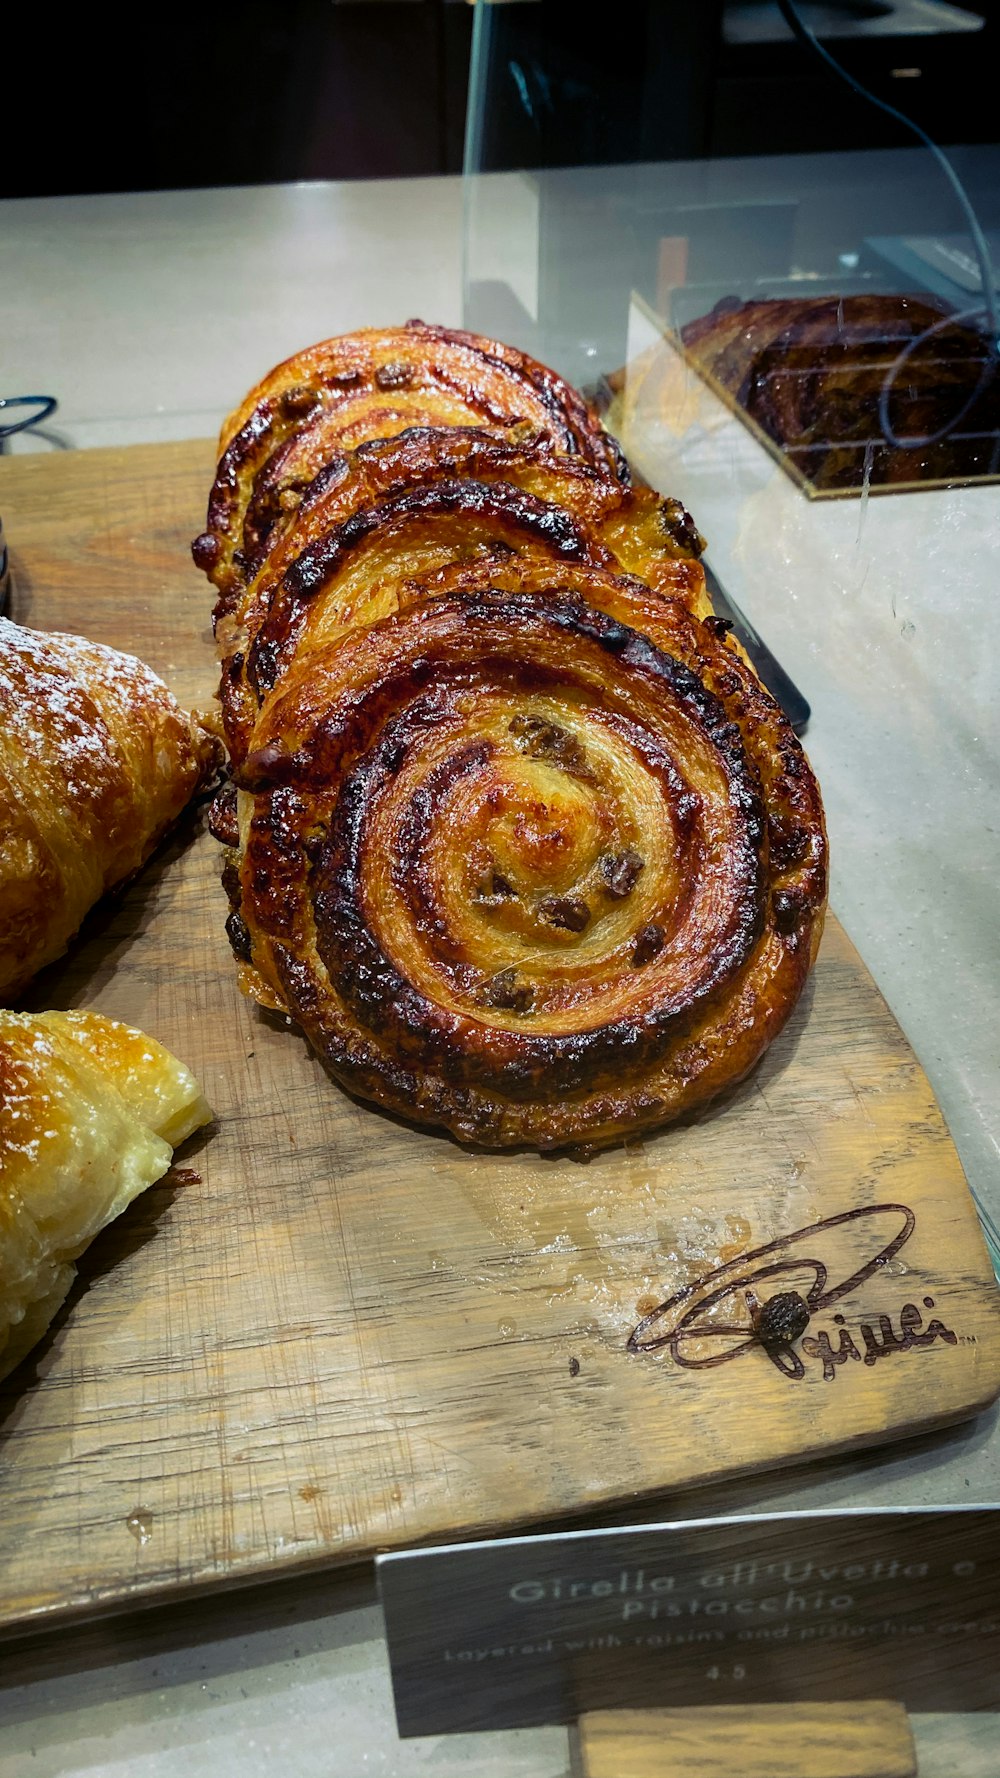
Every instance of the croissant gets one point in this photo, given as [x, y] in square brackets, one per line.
[376, 524]
[366, 385]
[90, 1112]
[97, 760]
[538, 865]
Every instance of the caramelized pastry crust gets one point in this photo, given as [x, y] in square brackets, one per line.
[514, 832]
[536, 867]
[373, 384]
[97, 760]
[375, 525]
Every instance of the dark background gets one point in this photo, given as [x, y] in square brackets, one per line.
[277, 90]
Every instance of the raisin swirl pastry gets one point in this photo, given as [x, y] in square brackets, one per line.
[373, 384]
[541, 865]
[377, 523]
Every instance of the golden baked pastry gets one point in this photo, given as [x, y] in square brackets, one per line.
[540, 864]
[90, 1113]
[378, 523]
[366, 385]
[514, 832]
[97, 760]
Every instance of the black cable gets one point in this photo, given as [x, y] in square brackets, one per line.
[46, 405]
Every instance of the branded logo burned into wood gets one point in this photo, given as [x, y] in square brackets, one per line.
[691, 1324]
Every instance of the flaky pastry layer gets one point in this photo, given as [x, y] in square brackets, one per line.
[90, 1113]
[373, 384]
[380, 522]
[97, 761]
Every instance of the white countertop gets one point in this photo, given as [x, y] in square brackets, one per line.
[147, 316]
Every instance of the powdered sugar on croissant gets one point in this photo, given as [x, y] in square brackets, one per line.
[97, 760]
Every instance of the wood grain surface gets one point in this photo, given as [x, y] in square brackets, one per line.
[326, 1333]
[861, 1740]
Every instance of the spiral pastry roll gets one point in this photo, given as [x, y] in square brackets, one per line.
[378, 524]
[373, 384]
[535, 867]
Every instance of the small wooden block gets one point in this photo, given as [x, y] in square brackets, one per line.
[860, 1740]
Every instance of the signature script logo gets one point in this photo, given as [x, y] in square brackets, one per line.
[720, 1317]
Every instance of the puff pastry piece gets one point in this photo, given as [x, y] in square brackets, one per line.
[542, 864]
[373, 384]
[97, 760]
[90, 1113]
[377, 523]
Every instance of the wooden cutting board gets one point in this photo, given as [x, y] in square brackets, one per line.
[326, 1333]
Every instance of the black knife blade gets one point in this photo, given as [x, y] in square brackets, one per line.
[767, 668]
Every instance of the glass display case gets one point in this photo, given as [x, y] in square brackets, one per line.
[799, 347]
